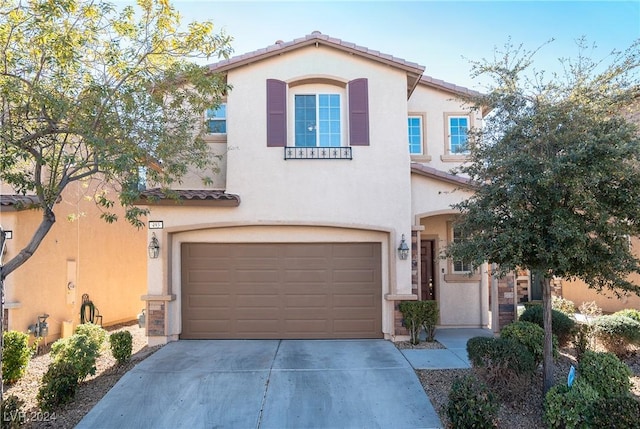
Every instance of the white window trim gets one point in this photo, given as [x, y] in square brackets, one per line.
[458, 276]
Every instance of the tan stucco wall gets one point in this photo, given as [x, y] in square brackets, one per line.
[364, 199]
[461, 301]
[110, 265]
[433, 104]
[578, 292]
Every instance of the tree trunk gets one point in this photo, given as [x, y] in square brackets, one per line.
[3, 240]
[548, 364]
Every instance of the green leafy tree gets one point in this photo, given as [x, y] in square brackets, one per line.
[557, 173]
[88, 90]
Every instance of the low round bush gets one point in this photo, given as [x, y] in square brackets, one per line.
[569, 408]
[504, 363]
[562, 325]
[15, 355]
[121, 345]
[59, 385]
[12, 415]
[81, 349]
[629, 312]
[607, 374]
[471, 404]
[617, 332]
[529, 335]
[616, 413]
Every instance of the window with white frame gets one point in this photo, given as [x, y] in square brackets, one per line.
[216, 120]
[458, 266]
[414, 124]
[458, 127]
[317, 120]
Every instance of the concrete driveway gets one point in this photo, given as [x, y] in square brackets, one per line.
[268, 384]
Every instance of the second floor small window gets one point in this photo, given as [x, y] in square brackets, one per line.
[216, 120]
[415, 135]
[317, 120]
[458, 139]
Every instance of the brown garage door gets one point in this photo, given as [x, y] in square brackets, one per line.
[281, 290]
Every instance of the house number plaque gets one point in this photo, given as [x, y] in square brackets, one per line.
[156, 224]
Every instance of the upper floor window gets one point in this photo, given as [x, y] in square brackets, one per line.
[317, 120]
[415, 135]
[458, 134]
[216, 120]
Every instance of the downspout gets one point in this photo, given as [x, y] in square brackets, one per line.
[484, 295]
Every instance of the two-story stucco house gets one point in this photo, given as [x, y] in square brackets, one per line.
[332, 158]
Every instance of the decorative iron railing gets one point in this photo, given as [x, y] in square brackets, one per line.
[294, 152]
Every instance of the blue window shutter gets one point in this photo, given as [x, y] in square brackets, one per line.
[359, 112]
[276, 113]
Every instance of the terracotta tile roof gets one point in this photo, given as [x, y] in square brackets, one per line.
[18, 202]
[316, 37]
[447, 86]
[188, 197]
[433, 173]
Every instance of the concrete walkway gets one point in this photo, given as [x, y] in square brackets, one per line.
[455, 354]
[268, 384]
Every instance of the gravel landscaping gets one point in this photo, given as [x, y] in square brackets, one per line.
[522, 409]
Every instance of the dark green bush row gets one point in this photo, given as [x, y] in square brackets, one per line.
[562, 325]
[418, 315]
[74, 358]
[617, 332]
[471, 404]
[600, 397]
[15, 355]
[531, 336]
[121, 345]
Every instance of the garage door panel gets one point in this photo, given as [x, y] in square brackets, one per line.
[281, 290]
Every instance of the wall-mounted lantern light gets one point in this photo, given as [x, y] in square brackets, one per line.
[403, 249]
[154, 247]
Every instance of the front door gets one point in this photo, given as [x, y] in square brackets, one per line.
[428, 280]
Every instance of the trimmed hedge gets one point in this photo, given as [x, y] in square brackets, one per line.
[15, 355]
[617, 332]
[562, 325]
[418, 315]
[629, 312]
[529, 335]
[569, 408]
[607, 374]
[471, 404]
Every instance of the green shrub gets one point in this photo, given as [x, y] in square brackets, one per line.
[569, 408]
[15, 355]
[531, 336]
[121, 345]
[616, 413]
[616, 333]
[607, 374]
[504, 363]
[59, 385]
[12, 415]
[81, 349]
[583, 339]
[562, 325]
[430, 315]
[471, 404]
[418, 315]
[629, 312]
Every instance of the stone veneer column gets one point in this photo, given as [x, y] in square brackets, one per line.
[157, 317]
[506, 300]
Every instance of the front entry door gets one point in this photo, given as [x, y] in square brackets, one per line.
[427, 260]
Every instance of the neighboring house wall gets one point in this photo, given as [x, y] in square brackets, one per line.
[105, 261]
[578, 292]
